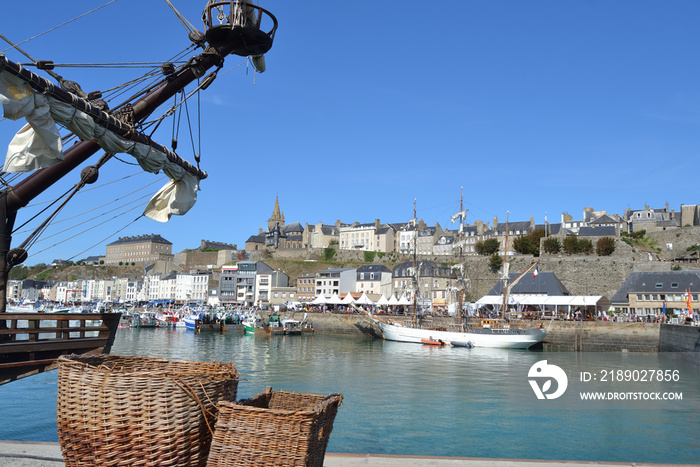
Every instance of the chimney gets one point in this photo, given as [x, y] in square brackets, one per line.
[495, 223]
[377, 223]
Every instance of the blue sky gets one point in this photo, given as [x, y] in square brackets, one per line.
[533, 107]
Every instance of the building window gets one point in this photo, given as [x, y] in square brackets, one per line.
[674, 285]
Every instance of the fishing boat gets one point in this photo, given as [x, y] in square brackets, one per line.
[252, 323]
[492, 333]
[56, 110]
[291, 326]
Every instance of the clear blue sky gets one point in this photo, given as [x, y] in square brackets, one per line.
[533, 107]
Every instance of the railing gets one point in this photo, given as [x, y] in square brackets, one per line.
[32, 342]
[234, 13]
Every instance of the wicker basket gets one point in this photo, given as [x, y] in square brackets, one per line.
[137, 411]
[274, 428]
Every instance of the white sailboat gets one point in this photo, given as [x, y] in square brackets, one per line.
[491, 333]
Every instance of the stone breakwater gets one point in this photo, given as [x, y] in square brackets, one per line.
[588, 336]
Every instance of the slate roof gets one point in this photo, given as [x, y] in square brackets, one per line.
[604, 219]
[292, 228]
[656, 282]
[256, 239]
[543, 283]
[445, 240]
[155, 238]
[598, 231]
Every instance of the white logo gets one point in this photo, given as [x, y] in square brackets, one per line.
[550, 372]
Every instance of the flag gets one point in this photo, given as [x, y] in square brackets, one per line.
[536, 271]
[663, 310]
[689, 302]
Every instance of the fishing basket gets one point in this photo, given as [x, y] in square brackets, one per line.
[115, 410]
[274, 428]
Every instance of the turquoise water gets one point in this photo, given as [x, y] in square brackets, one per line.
[411, 399]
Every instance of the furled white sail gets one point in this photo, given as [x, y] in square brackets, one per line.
[38, 145]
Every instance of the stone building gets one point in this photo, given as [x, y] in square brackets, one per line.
[306, 288]
[373, 279]
[140, 249]
[645, 293]
[433, 283]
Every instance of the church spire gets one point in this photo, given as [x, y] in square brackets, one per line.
[277, 216]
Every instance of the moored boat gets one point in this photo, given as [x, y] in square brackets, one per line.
[291, 326]
[479, 337]
[431, 341]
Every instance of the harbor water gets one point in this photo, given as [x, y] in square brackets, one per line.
[412, 399]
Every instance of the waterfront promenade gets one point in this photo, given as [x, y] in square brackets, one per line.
[30, 454]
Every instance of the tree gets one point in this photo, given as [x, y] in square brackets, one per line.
[551, 245]
[328, 254]
[495, 262]
[535, 237]
[369, 256]
[571, 246]
[605, 246]
[523, 245]
[585, 246]
[487, 247]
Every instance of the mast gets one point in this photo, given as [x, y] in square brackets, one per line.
[415, 270]
[505, 269]
[462, 317]
[244, 39]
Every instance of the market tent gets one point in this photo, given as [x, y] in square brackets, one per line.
[320, 300]
[403, 300]
[393, 300]
[382, 301]
[364, 300]
[334, 300]
[348, 299]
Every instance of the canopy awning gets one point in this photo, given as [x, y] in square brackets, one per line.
[542, 300]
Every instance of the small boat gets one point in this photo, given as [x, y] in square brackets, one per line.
[291, 326]
[431, 341]
[203, 321]
[466, 344]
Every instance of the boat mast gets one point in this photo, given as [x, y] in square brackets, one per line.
[415, 270]
[505, 269]
[223, 40]
[463, 318]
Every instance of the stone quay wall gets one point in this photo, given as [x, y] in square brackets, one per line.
[602, 336]
[682, 342]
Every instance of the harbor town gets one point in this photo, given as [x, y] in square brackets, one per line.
[475, 336]
[641, 266]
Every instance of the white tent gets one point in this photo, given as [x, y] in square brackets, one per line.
[382, 300]
[320, 300]
[348, 299]
[403, 300]
[364, 300]
[335, 300]
[393, 300]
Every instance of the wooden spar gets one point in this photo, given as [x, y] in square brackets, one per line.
[105, 120]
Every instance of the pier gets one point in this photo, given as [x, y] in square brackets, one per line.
[29, 454]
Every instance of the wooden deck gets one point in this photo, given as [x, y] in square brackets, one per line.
[30, 343]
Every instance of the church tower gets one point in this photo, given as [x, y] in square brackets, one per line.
[277, 216]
